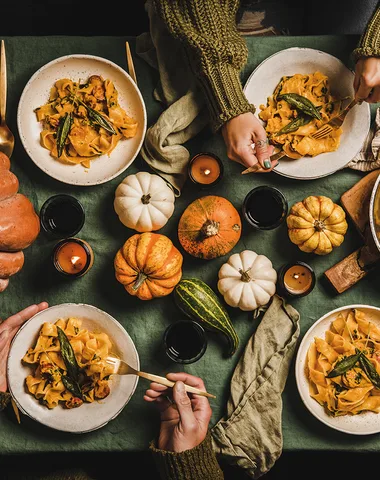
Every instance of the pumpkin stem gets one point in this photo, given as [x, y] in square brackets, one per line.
[145, 199]
[245, 277]
[319, 225]
[210, 228]
[141, 277]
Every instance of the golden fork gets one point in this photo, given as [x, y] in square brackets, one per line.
[131, 67]
[7, 140]
[334, 123]
[120, 367]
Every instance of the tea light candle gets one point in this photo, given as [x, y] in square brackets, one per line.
[297, 279]
[205, 169]
[73, 257]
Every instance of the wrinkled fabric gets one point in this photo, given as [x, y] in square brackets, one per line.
[368, 158]
[250, 434]
[185, 114]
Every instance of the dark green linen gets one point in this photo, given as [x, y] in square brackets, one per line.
[145, 322]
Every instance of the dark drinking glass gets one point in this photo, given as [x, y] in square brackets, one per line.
[62, 216]
[185, 341]
[265, 207]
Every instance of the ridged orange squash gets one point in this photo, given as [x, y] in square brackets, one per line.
[209, 227]
[148, 265]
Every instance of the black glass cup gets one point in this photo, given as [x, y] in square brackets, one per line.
[185, 341]
[265, 207]
[62, 216]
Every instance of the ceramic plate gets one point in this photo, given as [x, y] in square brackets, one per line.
[362, 424]
[262, 82]
[36, 93]
[89, 416]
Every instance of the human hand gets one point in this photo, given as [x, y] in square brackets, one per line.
[239, 134]
[185, 420]
[367, 79]
[8, 329]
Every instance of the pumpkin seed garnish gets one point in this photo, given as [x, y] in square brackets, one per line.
[63, 131]
[301, 103]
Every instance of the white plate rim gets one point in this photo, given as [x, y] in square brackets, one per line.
[315, 50]
[309, 402]
[105, 61]
[74, 305]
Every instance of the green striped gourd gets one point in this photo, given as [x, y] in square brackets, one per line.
[199, 302]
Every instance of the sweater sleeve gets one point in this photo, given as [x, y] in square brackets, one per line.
[215, 49]
[199, 463]
[369, 44]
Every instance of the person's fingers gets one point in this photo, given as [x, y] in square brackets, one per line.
[274, 163]
[152, 393]
[364, 89]
[191, 380]
[263, 153]
[184, 407]
[19, 318]
[158, 387]
[374, 97]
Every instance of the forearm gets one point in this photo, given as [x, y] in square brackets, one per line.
[215, 49]
[369, 44]
[198, 463]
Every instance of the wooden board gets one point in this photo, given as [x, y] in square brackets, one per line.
[358, 264]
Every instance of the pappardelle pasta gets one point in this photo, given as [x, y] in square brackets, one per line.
[82, 121]
[70, 367]
[344, 368]
[298, 107]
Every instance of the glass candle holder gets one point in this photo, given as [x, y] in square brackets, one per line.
[265, 207]
[185, 341]
[72, 257]
[296, 279]
[62, 216]
[205, 170]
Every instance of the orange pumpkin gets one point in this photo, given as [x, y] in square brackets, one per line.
[148, 265]
[209, 227]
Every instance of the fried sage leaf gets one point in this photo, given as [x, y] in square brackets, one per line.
[72, 386]
[295, 124]
[369, 370]
[301, 103]
[344, 365]
[63, 131]
[68, 355]
[99, 119]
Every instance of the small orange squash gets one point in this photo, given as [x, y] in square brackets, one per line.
[209, 227]
[148, 265]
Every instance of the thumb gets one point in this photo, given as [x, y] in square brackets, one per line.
[183, 403]
[262, 154]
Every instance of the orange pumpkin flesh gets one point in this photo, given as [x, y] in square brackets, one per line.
[148, 265]
[209, 227]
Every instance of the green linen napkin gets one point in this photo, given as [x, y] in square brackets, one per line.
[250, 434]
[368, 158]
[184, 112]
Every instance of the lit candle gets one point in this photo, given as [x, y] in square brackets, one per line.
[296, 280]
[205, 169]
[73, 257]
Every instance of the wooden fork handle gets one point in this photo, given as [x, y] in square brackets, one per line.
[3, 82]
[168, 383]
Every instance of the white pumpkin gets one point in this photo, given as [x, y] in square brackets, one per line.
[247, 280]
[144, 202]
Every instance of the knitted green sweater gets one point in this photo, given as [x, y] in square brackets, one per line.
[199, 463]
[217, 51]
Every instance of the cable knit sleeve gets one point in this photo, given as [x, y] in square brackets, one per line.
[216, 51]
[369, 44]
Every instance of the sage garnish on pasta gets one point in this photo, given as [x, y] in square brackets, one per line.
[99, 119]
[72, 386]
[369, 370]
[344, 365]
[63, 131]
[68, 355]
[295, 124]
[301, 103]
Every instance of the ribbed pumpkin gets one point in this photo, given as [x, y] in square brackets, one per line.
[209, 227]
[317, 224]
[19, 223]
[148, 265]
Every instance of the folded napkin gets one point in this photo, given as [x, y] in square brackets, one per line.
[368, 158]
[184, 112]
[250, 436]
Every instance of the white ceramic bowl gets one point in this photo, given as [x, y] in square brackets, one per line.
[89, 416]
[36, 93]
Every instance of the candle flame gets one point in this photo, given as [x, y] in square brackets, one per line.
[207, 171]
[74, 259]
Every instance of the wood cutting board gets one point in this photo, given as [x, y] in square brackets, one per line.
[358, 264]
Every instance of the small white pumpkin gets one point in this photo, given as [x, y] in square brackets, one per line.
[144, 202]
[247, 280]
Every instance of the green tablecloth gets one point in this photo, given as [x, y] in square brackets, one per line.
[146, 321]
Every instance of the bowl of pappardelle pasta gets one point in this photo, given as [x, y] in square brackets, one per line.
[295, 92]
[338, 369]
[82, 119]
[57, 373]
